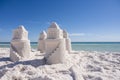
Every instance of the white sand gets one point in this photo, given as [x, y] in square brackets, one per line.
[81, 65]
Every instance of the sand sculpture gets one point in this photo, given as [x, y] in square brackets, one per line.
[68, 41]
[41, 41]
[55, 43]
[20, 44]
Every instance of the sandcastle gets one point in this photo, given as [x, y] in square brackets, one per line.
[55, 44]
[20, 45]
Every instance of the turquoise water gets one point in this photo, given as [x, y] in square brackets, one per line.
[87, 46]
[97, 46]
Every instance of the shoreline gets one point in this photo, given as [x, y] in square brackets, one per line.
[34, 49]
[78, 46]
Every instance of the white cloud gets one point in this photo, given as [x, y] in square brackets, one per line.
[88, 37]
[77, 34]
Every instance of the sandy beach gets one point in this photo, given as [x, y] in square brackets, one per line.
[59, 39]
[82, 65]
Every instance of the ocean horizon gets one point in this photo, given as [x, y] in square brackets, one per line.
[82, 46]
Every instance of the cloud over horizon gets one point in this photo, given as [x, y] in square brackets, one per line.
[77, 34]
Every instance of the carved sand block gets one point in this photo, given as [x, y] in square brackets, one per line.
[20, 44]
[55, 43]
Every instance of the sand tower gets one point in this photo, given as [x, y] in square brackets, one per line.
[55, 45]
[41, 42]
[68, 41]
[20, 45]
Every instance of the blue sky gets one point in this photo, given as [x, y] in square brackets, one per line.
[85, 20]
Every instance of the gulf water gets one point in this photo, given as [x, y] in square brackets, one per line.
[86, 46]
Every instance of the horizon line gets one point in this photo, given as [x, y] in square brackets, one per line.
[80, 41]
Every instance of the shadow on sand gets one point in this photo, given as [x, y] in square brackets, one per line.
[35, 62]
[4, 59]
